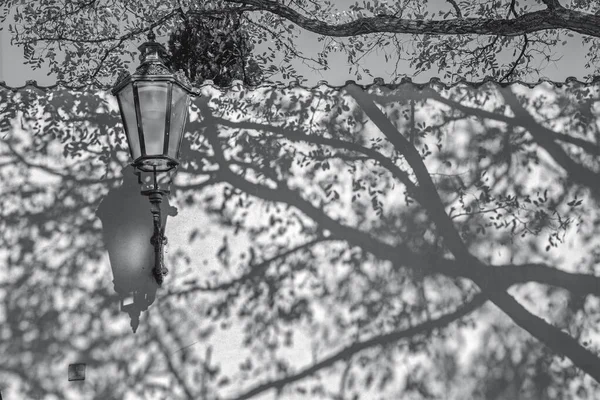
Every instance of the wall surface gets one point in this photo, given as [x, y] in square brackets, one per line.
[301, 247]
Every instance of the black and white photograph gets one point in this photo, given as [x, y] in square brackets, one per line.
[299, 199]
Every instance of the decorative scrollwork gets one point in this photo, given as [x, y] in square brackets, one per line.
[158, 238]
[180, 76]
[152, 69]
[121, 77]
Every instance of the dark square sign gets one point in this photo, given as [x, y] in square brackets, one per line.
[77, 372]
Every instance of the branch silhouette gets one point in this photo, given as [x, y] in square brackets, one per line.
[383, 260]
[553, 337]
[577, 172]
[381, 340]
[501, 276]
[254, 271]
[553, 17]
[590, 147]
[402, 255]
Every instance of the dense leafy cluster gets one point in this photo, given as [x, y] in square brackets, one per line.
[216, 48]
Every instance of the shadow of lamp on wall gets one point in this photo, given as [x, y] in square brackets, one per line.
[127, 232]
[154, 104]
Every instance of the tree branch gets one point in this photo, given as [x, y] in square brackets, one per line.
[398, 253]
[548, 334]
[170, 364]
[552, 4]
[518, 60]
[589, 147]
[253, 270]
[430, 198]
[549, 19]
[576, 172]
[507, 275]
[456, 8]
[477, 301]
[577, 283]
[501, 276]
[85, 38]
[296, 135]
[401, 254]
[555, 339]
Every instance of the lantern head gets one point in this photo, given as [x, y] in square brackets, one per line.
[154, 105]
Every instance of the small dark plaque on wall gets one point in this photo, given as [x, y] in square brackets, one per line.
[77, 372]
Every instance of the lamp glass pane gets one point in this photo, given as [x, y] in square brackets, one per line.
[127, 107]
[179, 111]
[153, 104]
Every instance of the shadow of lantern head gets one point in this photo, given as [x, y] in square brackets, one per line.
[126, 230]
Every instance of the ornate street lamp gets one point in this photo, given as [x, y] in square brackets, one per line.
[154, 105]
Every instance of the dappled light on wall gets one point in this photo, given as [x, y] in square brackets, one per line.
[126, 231]
[321, 242]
